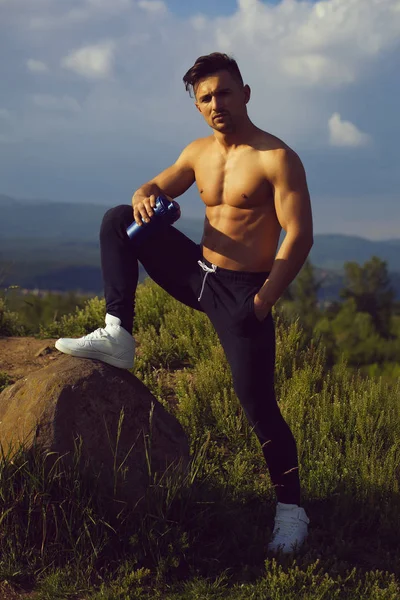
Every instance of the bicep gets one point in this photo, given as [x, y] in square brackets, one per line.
[177, 178]
[291, 195]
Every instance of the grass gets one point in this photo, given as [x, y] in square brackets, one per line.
[5, 380]
[202, 534]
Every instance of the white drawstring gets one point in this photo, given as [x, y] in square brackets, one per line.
[208, 271]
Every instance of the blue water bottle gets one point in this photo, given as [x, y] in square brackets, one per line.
[165, 213]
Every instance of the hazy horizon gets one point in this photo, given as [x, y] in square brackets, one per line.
[188, 212]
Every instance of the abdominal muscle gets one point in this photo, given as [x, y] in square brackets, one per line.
[241, 239]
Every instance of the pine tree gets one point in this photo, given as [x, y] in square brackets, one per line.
[370, 287]
[305, 296]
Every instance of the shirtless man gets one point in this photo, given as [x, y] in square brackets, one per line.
[252, 185]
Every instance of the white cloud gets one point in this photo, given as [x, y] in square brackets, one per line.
[116, 6]
[315, 44]
[56, 103]
[94, 62]
[344, 133]
[92, 9]
[295, 55]
[317, 69]
[305, 61]
[85, 10]
[198, 22]
[153, 6]
[36, 66]
[140, 39]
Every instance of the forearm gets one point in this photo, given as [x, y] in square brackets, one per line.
[288, 262]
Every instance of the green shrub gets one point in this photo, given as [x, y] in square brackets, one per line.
[10, 323]
[83, 321]
[5, 380]
[37, 310]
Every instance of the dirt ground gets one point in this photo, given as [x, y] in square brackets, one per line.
[22, 355]
[8, 592]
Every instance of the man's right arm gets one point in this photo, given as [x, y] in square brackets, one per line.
[172, 182]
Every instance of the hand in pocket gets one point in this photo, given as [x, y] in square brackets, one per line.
[261, 310]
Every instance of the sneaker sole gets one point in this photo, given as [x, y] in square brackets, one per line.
[111, 360]
[280, 548]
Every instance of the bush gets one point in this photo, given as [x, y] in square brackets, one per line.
[5, 380]
[83, 321]
[10, 323]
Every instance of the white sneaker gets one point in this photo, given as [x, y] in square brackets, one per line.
[113, 345]
[291, 528]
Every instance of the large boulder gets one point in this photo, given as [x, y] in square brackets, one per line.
[73, 398]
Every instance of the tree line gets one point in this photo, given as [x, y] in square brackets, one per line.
[363, 327]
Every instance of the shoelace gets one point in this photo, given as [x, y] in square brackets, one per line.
[208, 270]
[284, 528]
[97, 334]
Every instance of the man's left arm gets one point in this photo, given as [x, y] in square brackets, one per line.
[293, 211]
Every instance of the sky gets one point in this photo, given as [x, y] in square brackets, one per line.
[92, 103]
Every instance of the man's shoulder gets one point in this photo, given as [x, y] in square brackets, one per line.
[200, 143]
[276, 153]
[279, 160]
[267, 142]
[192, 151]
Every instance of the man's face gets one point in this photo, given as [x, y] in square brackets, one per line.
[222, 100]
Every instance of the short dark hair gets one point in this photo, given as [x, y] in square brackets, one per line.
[208, 65]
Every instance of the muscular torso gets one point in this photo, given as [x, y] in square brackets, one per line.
[241, 229]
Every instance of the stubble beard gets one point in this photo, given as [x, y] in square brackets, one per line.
[228, 126]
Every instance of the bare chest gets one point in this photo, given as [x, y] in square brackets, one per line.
[237, 180]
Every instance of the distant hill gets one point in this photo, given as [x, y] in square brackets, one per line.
[331, 251]
[54, 245]
[50, 220]
[44, 220]
[7, 201]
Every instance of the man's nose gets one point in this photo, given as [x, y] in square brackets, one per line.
[216, 103]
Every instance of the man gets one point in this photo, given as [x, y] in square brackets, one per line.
[252, 185]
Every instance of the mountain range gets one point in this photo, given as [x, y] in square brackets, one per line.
[54, 245]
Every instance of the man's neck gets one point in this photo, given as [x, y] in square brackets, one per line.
[242, 135]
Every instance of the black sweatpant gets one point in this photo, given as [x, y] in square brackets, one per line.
[226, 296]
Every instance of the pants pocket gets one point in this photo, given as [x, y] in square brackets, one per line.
[244, 322]
[251, 309]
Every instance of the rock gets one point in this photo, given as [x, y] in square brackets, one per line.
[80, 397]
[43, 351]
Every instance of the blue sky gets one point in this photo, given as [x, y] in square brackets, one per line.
[211, 8]
[92, 102]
